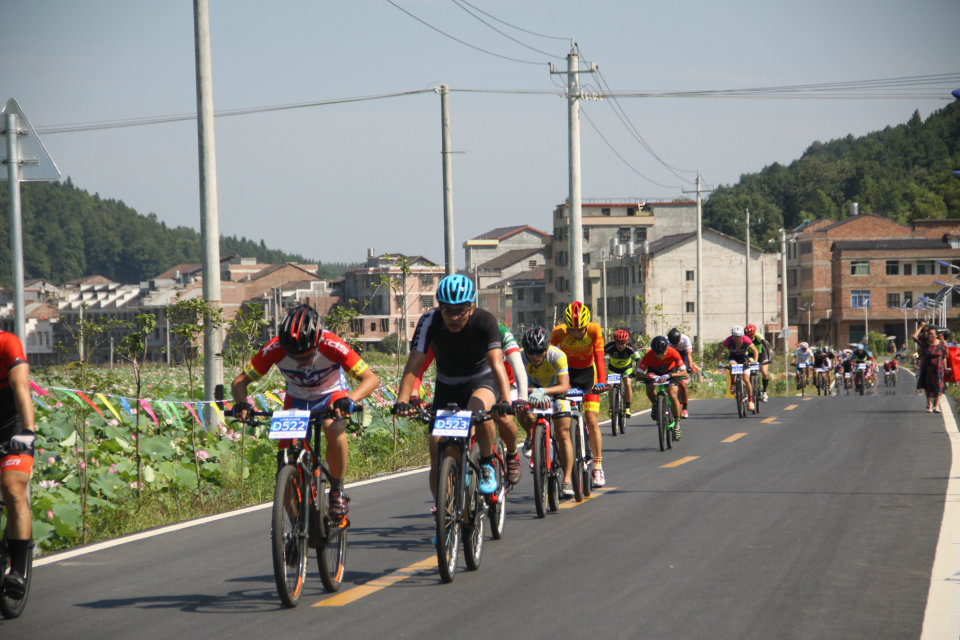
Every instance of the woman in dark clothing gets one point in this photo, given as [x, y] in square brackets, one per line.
[933, 356]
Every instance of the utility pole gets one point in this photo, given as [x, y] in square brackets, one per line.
[699, 273]
[209, 225]
[448, 249]
[746, 283]
[784, 318]
[573, 142]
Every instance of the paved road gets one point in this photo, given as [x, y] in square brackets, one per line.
[819, 523]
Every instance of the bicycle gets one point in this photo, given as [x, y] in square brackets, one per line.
[618, 415]
[663, 412]
[547, 470]
[754, 369]
[739, 390]
[300, 518]
[801, 376]
[858, 380]
[582, 457]
[11, 607]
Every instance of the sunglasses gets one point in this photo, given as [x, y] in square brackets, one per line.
[455, 312]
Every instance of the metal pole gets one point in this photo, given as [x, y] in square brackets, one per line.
[784, 318]
[16, 226]
[576, 212]
[209, 226]
[746, 297]
[603, 287]
[448, 247]
[699, 274]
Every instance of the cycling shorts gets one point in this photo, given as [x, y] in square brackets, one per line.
[289, 402]
[623, 372]
[21, 461]
[584, 379]
[739, 358]
[460, 393]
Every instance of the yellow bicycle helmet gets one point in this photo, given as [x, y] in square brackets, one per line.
[576, 315]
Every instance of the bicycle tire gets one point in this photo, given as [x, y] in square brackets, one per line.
[288, 534]
[615, 416]
[623, 410]
[332, 552]
[498, 502]
[472, 525]
[540, 478]
[578, 462]
[448, 525]
[741, 407]
[755, 385]
[667, 420]
[661, 421]
[554, 479]
[13, 607]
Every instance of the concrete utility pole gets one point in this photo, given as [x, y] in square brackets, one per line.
[209, 225]
[699, 274]
[448, 248]
[746, 297]
[784, 318]
[573, 142]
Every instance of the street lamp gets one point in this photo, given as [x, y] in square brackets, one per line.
[808, 307]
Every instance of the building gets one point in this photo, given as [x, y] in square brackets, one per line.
[391, 291]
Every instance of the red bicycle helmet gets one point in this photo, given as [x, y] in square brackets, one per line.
[750, 329]
[621, 335]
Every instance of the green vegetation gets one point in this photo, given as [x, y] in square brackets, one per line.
[902, 173]
[68, 233]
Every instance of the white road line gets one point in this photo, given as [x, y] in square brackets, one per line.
[116, 542]
[942, 616]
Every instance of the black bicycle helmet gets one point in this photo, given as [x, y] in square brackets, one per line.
[674, 336]
[535, 340]
[300, 329]
[659, 345]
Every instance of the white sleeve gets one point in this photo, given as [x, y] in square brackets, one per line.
[519, 374]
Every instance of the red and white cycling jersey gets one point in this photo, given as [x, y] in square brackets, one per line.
[318, 378]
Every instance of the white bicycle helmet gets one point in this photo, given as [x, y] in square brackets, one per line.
[736, 331]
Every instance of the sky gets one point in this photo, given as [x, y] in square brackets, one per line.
[330, 181]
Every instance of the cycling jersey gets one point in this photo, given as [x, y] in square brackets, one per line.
[621, 360]
[548, 372]
[761, 344]
[461, 356]
[684, 348]
[737, 345]
[819, 361]
[862, 356]
[671, 362]
[509, 345]
[11, 355]
[585, 353]
[803, 357]
[318, 378]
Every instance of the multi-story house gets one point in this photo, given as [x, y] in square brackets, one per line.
[391, 291]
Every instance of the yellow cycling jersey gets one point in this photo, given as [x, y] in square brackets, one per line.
[548, 372]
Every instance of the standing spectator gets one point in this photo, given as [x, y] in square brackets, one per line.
[933, 358]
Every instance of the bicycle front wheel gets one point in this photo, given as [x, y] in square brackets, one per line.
[498, 501]
[448, 524]
[289, 534]
[474, 517]
[540, 477]
[554, 478]
[13, 607]
[579, 468]
[741, 405]
[615, 416]
[332, 552]
[661, 409]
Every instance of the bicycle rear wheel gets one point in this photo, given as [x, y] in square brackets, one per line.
[578, 462]
[755, 384]
[12, 607]
[498, 501]
[289, 534]
[448, 525]
[332, 552]
[473, 518]
[540, 477]
[661, 408]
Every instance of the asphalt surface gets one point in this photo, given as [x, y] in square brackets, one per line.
[820, 523]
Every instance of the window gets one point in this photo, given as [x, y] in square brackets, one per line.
[531, 264]
[623, 235]
[586, 233]
[356, 326]
[605, 211]
[385, 325]
[908, 298]
[907, 269]
[859, 268]
[518, 292]
[791, 278]
[631, 211]
[426, 302]
[690, 307]
[689, 277]
[806, 247]
[859, 298]
[537, 295]
[893, 300]
[398, 301]
[893, 267]
[641, 234]
[924, 267]
[521, 319]
[426, 281]
[586, 258]
[373, 327]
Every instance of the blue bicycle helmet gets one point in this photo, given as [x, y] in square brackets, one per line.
[456, 289]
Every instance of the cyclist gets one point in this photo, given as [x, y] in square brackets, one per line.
[661, 360]
[466, 343]
[739, 347]
[684, 346]
[622, 358]
[820, 364]
[804, 356]
[548, 375]
[766, 355]
[517, 377]
[582, 341]
[861, 355]
[17, 434]
[312, 361]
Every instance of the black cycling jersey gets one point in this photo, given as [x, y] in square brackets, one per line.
[460, 356]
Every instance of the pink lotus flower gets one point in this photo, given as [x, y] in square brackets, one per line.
[202, 454]
[51, 460]
[113, 468]
[49, 515]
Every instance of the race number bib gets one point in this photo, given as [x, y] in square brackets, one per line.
[802, 365]
[736, 369]
[755, 366]
[454, 424]
[288, 424]
[613, 378]
[861, 365]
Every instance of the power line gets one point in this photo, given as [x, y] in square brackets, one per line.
[513, 26]
[463, 42]
[622, 159]
[509, 37]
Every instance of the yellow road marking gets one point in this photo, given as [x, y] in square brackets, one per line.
[596, 493]
[790, 407]
[769, 420]
[677, 463]
[810, 398]
[376, 584]
[734, 437]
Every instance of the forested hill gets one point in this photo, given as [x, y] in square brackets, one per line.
[68, 233]
[902, 172]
